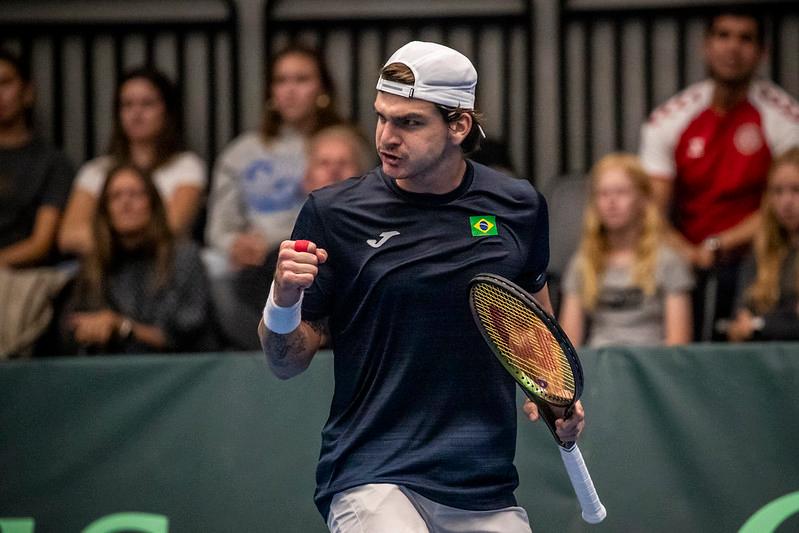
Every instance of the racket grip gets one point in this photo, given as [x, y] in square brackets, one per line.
[593, 510]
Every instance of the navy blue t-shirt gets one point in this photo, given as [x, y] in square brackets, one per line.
[419, 399]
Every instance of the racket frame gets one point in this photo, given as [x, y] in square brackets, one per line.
[593, 511]
[544, 406]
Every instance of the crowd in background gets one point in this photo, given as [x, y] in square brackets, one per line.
[120, 247]
[141, 251]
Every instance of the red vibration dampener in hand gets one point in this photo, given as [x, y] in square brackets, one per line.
[301, 245]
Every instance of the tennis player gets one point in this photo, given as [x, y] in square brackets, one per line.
[422, 428]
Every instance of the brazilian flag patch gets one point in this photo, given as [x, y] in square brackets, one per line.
[483, 225]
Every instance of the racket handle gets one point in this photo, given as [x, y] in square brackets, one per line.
[593, 510]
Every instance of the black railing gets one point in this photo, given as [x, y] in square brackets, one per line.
[579, 144]
[367, 41]
[172, 36]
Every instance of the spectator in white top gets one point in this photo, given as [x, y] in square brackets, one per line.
[147, 134]
[257, 181]
[335, 153]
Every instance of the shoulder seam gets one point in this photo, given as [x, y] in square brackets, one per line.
[776, 98]
[689, 95]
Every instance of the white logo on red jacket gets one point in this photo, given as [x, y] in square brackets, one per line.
[748, 139]
[696, 147]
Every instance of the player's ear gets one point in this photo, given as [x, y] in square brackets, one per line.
[460, 127]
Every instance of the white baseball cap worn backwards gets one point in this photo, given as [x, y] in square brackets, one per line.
[443, 76]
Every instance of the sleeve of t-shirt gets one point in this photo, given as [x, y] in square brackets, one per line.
[59, 181]
[317, 299]
[226, 208]
[535, 275]
[91, 176]
[677, 275]
[188, 169]
[657, 150]
[779, 114]
[786, 135]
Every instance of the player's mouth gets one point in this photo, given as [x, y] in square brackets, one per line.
[389, 159]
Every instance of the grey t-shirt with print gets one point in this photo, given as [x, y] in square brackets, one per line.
[624, 315]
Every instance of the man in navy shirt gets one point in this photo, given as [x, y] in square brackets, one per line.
[422, 428]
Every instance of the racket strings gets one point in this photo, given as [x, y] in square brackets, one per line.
[525, 341]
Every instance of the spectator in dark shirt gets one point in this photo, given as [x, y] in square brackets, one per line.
[769, 308]
[140, 289]
[34, 177]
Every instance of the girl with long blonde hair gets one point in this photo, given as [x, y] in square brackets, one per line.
[624, 281]
[769, 309]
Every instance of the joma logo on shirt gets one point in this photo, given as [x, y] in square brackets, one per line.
[386, 235]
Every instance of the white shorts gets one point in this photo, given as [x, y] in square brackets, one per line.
[387, 508]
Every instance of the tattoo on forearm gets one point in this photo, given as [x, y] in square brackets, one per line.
[280, 347]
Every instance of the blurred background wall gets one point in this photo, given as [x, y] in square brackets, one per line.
[561, 82]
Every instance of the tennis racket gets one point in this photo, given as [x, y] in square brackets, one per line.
[536, 352]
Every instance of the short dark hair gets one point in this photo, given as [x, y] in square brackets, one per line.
[471, 143]
[23, 70]
[740, 11]
[400, 73]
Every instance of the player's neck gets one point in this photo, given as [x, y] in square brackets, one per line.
[442, 178]
[15, 134]
[728, 95]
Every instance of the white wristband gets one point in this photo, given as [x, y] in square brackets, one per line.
[281, 320]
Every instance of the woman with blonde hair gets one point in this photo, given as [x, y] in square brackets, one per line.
[769, 306]
[624, 281]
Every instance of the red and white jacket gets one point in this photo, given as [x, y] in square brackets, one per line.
[719, 162]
